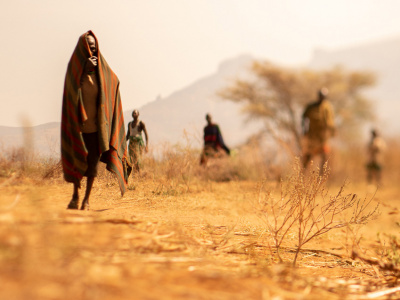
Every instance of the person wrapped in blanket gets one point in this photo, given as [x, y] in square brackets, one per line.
[318, 123]
[214, 145]
[92, 125]
[136, 143]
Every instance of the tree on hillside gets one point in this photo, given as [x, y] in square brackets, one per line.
[277, 96]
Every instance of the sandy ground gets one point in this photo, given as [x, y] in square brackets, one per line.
[165, 240]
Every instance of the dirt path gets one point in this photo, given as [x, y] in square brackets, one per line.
[165, 241]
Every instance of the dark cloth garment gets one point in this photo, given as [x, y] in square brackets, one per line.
[374, 166]
[213, 138]
[111, 128]
[92, 146]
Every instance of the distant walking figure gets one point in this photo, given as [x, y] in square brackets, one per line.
[318, 127]
[136, 144]
[214, 145]
[92, 124]
[376, 147]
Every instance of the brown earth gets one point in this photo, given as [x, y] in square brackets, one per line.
[165, 240]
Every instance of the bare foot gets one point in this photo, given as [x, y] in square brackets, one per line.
[85, 205]
[74, 203]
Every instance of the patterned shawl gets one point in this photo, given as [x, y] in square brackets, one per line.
[111, 129]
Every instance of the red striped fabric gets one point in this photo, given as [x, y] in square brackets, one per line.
[111, 128]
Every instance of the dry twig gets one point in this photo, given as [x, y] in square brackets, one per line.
[381, 265]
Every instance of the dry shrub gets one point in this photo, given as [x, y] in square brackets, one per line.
[178, 165]
[388, 251]
[250, 162]
[173, 167]
[24, 162]
[52, 168]
[306, 209]
[10, 161]
[390, 255]
[17, 162]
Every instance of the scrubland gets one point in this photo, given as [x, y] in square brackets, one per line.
[245, 227]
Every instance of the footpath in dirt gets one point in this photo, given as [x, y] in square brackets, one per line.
[163, 241]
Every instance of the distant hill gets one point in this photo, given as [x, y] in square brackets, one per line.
[382, 58]
[45, 138]
[183, 112]
[167, 119]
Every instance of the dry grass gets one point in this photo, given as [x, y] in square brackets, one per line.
[306, 209]
[180, 231]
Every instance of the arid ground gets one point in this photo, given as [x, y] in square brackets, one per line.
[166, 239]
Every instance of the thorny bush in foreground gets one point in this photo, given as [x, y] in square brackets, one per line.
[305, 208]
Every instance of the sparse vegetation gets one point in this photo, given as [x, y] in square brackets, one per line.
[183, 231]
[305, 209]
[277, 96]
[388, 251]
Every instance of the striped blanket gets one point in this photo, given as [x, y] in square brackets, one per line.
[111, 128]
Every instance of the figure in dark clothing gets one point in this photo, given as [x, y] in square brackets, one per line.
[376, 147]
[214, 145]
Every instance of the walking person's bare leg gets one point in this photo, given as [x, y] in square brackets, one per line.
[74, 203]
[89, 185]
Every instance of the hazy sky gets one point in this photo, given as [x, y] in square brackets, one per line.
[159, 46]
